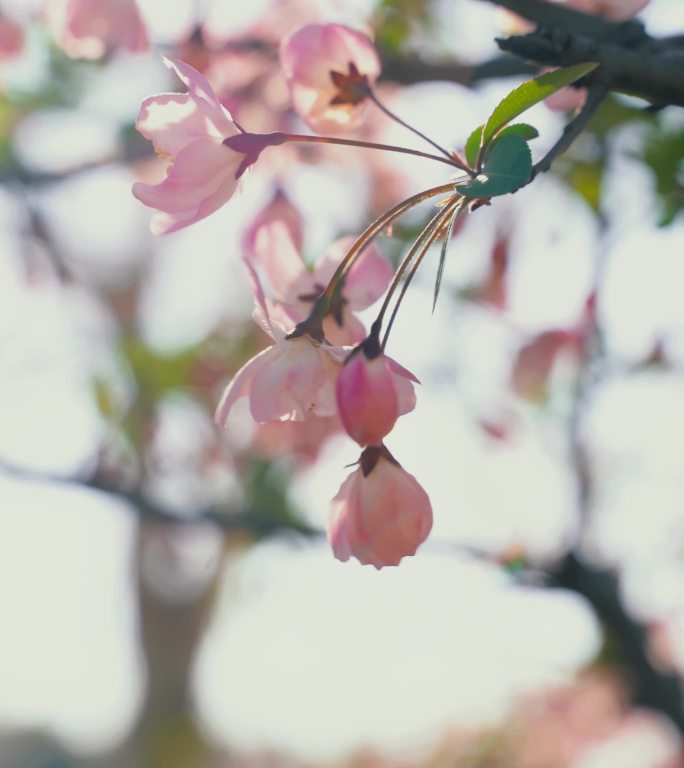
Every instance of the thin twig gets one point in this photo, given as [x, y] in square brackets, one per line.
[595, 97]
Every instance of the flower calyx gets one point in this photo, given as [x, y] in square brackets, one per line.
[352, 87]
[251, 145]
[371, 455]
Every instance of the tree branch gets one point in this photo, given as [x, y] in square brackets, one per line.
[571, 21]
[651, 687]
[255, 521]
[572, 130]
[410, 70]
[630, 61]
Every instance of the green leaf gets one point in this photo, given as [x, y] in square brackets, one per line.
[528, 132]
[507, 167]
[472, 146]
[530, 93]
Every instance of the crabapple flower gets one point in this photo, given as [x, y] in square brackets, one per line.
[87, 29]
[294, 287]
[368, 399]
[329, 69]
[380, 514]
[292, 380]
[207, 151]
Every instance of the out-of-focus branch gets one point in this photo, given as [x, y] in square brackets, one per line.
[573, 129]
[563, 17]
[651, 686]
[630, 60]
[254, 521]
[408, 70]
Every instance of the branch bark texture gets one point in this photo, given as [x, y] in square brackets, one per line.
[630, 60]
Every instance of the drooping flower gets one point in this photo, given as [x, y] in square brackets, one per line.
[294, 379]
[329, 69]
[88, 29]
[368, 400]
[207, 151]
[296, 289]
[381, 513]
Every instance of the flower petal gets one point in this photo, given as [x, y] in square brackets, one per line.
[171, 121]
[283, 266]
[239, 386]
[201, 179]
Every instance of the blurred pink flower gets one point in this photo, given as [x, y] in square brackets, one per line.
[207, 152]
[279, 208]
[88, 29]
[368, 398]
[329, 68]
[293, 286]
[615, 10]
[11, 38]
[566, 99]
[534, 361]
[292, 380]
[380, 514]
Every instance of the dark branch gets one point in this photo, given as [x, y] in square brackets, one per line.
[651, 687]
[630, 61]
[226, 516]
[573, 129]
[410, 70]
[562, 17]
[651, 73]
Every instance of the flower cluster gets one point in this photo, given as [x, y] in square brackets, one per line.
[324, 371]
[322, 368]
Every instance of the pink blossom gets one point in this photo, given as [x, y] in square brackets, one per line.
[368, 400]
[11, 38]
[294, 287]
[207, 151]
[292, 380]
[534, 361]
[615, 10]
[329, 69]
[380, 514]
[87, 29]
[299, 439]
[566, 99]
[279, 208]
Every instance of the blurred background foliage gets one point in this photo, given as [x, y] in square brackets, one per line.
[169, 597]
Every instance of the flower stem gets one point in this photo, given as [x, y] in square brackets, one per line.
[425, 239]
[300, 138]
[320, 308]
[456, 160]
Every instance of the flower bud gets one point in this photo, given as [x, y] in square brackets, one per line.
[367, 399]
